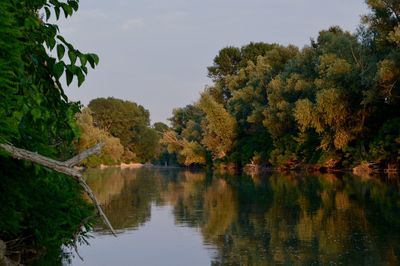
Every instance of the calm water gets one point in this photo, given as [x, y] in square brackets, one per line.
[171, 217]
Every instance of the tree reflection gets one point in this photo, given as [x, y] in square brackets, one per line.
[265, 220]
[126, 195]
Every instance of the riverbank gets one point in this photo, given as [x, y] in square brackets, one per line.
[364, 169]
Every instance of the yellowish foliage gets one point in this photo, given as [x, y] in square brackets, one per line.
[220, 207]
[112, 151]
[331, 65]
[394, 36]
[189, 152]
[387, 71]
[193, 153]
[219, 126]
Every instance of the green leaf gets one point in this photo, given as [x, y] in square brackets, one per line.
[73, 69]
[81, 77]
[30, 23]
[60, 51]
[51, 43]
[35, 60]
[51, 61]
[48, 13]
[67, 9]
[52, 31]
[72, 56]
[93, 59]
[35, 113]
[58, 69]
[69, 76]
[57, 10]
[83, 59]
[84, 69]
[61, 38]
[96, 58]
[74, 5]
[37, 98]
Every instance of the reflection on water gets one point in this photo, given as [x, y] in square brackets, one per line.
[172, 217]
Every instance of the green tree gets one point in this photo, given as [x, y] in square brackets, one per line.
[386, 144]
[187, 152]
[39, 207]
[383, 21]
[147, 143]
[112, 151]
[120, 118]
[225, 63]
[219, 127]
[181, 116]
[163, 157]
[325, 104]
[183, 140]
[129, 122]
[160, 127]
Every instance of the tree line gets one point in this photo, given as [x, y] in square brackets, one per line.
[333, 103]
[124, 127]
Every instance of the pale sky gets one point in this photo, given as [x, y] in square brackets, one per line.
[156, 52]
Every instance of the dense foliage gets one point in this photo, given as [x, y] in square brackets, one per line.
[38, 208]
[334, 103]
[112, 152]
[130, 123]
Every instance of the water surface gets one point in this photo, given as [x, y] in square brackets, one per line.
[175, 217]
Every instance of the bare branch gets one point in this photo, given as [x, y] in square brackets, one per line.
[64, 168]
[170, 137]
[83, 155]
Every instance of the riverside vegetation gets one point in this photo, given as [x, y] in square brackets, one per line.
[332, 104]
[40, 210]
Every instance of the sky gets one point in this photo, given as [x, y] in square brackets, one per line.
[156, 52]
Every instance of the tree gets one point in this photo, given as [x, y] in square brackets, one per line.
[112, 151]
[324, 104]
[383, 21]
[219, 127]
[42, 208]
[163, 157]
[129, 122]
[147, 144]
[225, 63]
[187, 152]
[160, 127]
[181, 116]
[386, 144]
[120, 118]
[183, 139]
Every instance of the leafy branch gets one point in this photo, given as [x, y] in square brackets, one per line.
[64, 168]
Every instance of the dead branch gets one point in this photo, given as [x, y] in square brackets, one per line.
[96, 149]
[170, 137]
[64, 168]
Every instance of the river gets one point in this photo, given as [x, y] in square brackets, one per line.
[177, 217]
